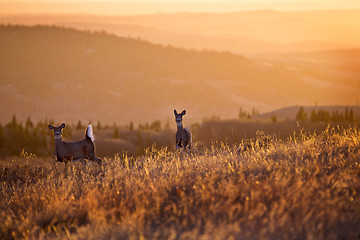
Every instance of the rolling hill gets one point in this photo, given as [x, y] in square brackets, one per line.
[66, 75]
[245, 32]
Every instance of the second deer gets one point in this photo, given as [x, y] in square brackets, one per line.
[183, 135]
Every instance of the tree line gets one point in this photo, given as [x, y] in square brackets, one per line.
[28, 137]
[16, 137]
[325, 116]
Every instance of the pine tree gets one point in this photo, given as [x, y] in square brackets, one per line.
[131, 126]
[116, 133]
[301, 116]
[313, 116]
[352, 117]
[98, 127]
[242, 113]
[323, 116]
[29, 124]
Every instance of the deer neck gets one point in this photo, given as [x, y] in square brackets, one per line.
[180, 127]
[58, 140]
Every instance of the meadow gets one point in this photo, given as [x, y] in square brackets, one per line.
[303, 187]
[292, 173]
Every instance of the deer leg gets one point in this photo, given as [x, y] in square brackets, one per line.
[58, 158]
[178, 144]
[92, 157]
[187, 147]
[83, 161]
[61, 159]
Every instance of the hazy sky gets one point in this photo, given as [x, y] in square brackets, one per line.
[115, 7]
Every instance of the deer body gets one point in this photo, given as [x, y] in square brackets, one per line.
[183, 135]
[72, 151]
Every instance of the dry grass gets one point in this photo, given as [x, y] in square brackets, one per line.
[307, 187]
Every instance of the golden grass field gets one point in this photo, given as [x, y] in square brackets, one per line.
[303, 187]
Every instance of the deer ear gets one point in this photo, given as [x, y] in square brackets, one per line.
[175, 112]
[183, 112]
[62, 125]
[51, 127]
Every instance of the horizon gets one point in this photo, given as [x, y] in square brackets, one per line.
[118, 7]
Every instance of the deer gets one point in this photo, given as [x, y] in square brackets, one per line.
[183, 135]
[73, 151]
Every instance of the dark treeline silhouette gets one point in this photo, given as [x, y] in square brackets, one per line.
[244, 114]
[16, 137]
[214, 131]
[347, 115]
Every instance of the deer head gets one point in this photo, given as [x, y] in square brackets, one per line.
[57, 130]
[179, 116]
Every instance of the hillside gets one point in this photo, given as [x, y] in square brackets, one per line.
[70, 75]
[244, 31]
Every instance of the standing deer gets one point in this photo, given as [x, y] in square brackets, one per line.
[183, 135]
[72, 151]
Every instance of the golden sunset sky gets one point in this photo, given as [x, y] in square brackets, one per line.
[118, 7]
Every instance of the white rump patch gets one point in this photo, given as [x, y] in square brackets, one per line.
[89, 132]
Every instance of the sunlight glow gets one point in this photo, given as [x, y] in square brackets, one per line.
[119, 7]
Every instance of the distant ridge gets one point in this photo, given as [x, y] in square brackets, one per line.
[290, 112]
[63, 73]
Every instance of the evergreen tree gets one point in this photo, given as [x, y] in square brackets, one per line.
[254, 111]
[13, 124]
[116, 133]
[29, 124]
[301, 116]
[98, 127]
[313, 116]
[323, 116]
[352, 117]
[335, 116]
[242, 113]
[131, 126]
